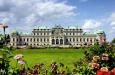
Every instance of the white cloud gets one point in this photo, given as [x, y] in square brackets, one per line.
[111, 21]
[91, 24]
[112, 30]
[30, 12]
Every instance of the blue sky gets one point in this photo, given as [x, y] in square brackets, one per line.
[91, 15]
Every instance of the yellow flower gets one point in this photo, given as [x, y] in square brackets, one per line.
[104, 69]
[96, 57]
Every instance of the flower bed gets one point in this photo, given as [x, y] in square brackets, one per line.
[99, 60]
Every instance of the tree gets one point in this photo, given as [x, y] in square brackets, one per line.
[113, 41]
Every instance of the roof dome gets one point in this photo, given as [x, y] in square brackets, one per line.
[15, 32]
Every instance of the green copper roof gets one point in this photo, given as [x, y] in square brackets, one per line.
[98, 31]
[89, 34]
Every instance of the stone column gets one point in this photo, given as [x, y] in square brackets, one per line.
[55, 41]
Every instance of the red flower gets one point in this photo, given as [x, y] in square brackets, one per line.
[114, 70]
[106, 73]
[100, 72]
[111, 73]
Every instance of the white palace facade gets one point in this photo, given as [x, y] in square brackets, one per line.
[57, 37]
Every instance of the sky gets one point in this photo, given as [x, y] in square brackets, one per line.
[90, 15]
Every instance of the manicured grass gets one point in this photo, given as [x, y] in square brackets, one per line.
[46, 56]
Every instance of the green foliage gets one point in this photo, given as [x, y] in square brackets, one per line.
[4, 39]
[5, 56]
[113, 41]
[82, 66]
[98, 49]
[66, 56]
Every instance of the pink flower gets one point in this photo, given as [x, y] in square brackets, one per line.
[105, 56]
[22, 62]
[18, 56]
[94, 65]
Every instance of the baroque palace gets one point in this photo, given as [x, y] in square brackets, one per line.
[57, 37]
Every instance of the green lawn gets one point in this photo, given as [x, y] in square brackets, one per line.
[46, 56]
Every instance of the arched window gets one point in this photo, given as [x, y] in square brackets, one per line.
[61, 41]
[80, 39]
[57, 41]
[83, 39]
[90, 39]
[53, 41]
[37, 39]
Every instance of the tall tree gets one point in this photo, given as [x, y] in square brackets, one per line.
[113, 41]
